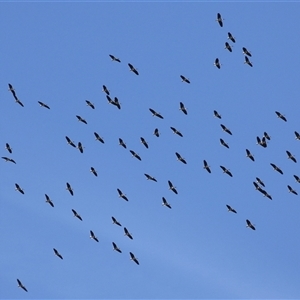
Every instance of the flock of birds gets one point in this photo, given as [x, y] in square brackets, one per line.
[258, 184]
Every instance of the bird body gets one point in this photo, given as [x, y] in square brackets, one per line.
[8, 159]
[133, 258]
[116, 248]
[183, 108]
[247, 61]
[217, 115]
[69, 188]
[115, 221]
[172, 187]
[70, 142]
[246, 52]
[133, 69]
[156, 114]
[57, 253]
[19, 189]
[127, 233]
[113, 58]
[180, 158]
[121, 195]
[90, 104]
[81, 119]
[226, 171]
[98, 137]
[143, 141]
[150, 177]
[280, 116]
[20, 285]
[230, 37]
[250, 225]
[217, 63]
[249, 154]
[92, 236]
[291, 156]
[231, 209]
[176, 131]
[224, 128]
[291, 190]
[48, 200]
[228, 47]
[223, 143]
[80, 147]
[8, 148]
[121, 143]
[219, 19]
[94, 171]
[165, 202]
[76, 214]
[135, 155]
[184, 79]
[276, 168]
[156, 132]
[43, 104]
[206, 166]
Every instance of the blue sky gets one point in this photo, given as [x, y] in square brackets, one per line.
[58, 53]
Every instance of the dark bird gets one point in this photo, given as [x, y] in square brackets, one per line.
[226, 129]
[43, 104]
[219, 19]
[116, 103]
[165, 202]
[80, 147]
[267, 136]
[69, 188]
[121, 143]
[128, 233]
[228, 47]
[206, 166]
[297, 135]
[156, 132]
[184, 79]
[12, 90]
[172, 187]
[297, 178]
[180, 158]
[265, 194]
[19, 102]
[246, 52]
[113, 58]
[20, 285]
[98, 137]
[261, 142]
[81, 120]
[116, 248]
[133, 69]
[156, 114]
[105, 90]
[249, 154]
[70, 142]
[133, 258]
[94, 171]
[257, 187]
[291, 190]
[217, 63]
[224, 144]
[57, 253]
[183, 108]
[176, 131]
[92, 236]
[226, 171]
[143, 141]
[115, 221]
[8, 159]
[279, 115]
[231, 209]
[247, 61]
[135, 155]
[19, 189]
[8, 148]
[291, 156]
[260, 182]
[250, 225]
[48, 200]
[76, 214]
[109, 100]
[217, 115]
[150, 177]
[230, 37]
[276, 168]
[121, 195]
[90, 104]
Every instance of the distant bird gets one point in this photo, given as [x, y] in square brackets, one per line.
[260, 182]
[143, 141]
[116, 103]
[116, 248]
[276, 168]
[90, 104]
[206, 166]
[98, 137]
[121, 195]
[8, 148]
[156, 114]
[43, 104]
[265, 194]
[226, 171]
[230, 37]
[133, 69]
[223, 143]
[165, 203]
[81, 120]
[297, 135]
[257, 187]
[109, 100]
[133, 258]
[20, 285]
[231, 209]
[80, 147]
[267, 136]
[113, 58]
[219, 19]
[92, 236]
[115, 221]
[183, 108]
[48, 200]
[156, 132]
[8, 159]
[176, 131]
[172, 187]
[19, 102]
[105, 90]
[150, 177]
[217, 63]
[70, 142]
[12, 90]
[76, 214]
[135, 155]
[180, 158]
[291, 156]
[291, 190]
[247, 61]
[297, 178]
[128, 233]
[228, 47]
[226, 129]
[57, 253]
[250, 225]
[121, 143]
[246, 52]
[184, 79]
[19, 189]
[279, 115]
[261, 142]
[249, 154]
[217, 115]
[94, 171]
[69, 188]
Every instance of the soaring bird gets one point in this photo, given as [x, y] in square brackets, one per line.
[291, 156]
[156, 114]
[20, 285]
[116, 248]
[261, 142]
[265, 194]
[115, 221]
[250, 225]
[206, 166]
[57, 253]
[297, 178]
[76, 214]
[176, 131]
[19, 189]
[10, 88]
[172, 187]
[143, 141]
[43, 104]
[276, 168]
[19, 102]
[246, 52]
[156, 132]
[109, 100]
[113, 58]
[80, 147]
[69, 188]
[133, 258]
[219, 19]
[231, 209]
[257, 187]
[105, 90]
[98, 137]
[279, 115]
[180, 158]
[249, 154]
[230, 37]
[121, 195]
[8, 159]
[291, 190]
[48, 200]
[247, 61]
[90, 104]
[94, 171]
[183, 108]
[70, 142]
[228, 47]
[260, 182]
[226, 171]
[133, 69]
[92, 236]
[135, 155]
[184, 79]
[121, 143]
[223, 143]
[150, 177]
[128, 233]
[165, 202]
[226, 129]
[267, 136]
[217, 115]
[8, 148]
[81, 119]
[217, 63]
[297, 135]
[116, 103]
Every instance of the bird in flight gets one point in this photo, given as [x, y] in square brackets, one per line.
[98, 137]
[230, 209]
[276, 168]
[219, 19]
[184, 79]
[291, 156]
[280, 116]
[43, 104]
[135, 155]
[133, 258]
[217, 115]
[94, 171]
[230, 37]
[226, 129]
[183, 108]
[133, 69]
[165, 202]
[8, 148]
[57, 253]
[172, 187]
[249, 154]
[176, 131]
[250, 225]
[20, 285]
[226, 171]
[291, 190]
[121, 195]
[180, 158]
[90, 104]
[80, 147]
[246, 52]
[76, 214]
[69, 188]
[115, 221]
[156, 132]
[228, 47]
[121, 143]
[127, 233]
[206, 166]
[70, 142]
[143, 141]
[81, 119]
[217, 63]
[19, 189]
[223, 143]
[113, 58]
[92, 236]
[247, 61]
[116, 248]
[48, 200]
[156, 114]
[8, 159]
[150, 177]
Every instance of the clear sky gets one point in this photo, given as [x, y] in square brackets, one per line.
[58, 53]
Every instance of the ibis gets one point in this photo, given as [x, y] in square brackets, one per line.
[92, 236]
[57, 253]
[76, 214]
[226, 129]
[280, 116]
[133, 258]
[115, 221]
[291, 190]
[135, 155]
[165, 202]
[42, 104]
[116, 248]
[81, 119]
[231, 209]
[48, 200]
[223, 143]
[69, 188]
[247, 61]
[180, 158]
[250, 155]
[250, 225]
[291, 156]
[230, 37]
[98, 137]
[276, 168]
[183, 108]
[150, 177]
[143, 141]
[121, 143]
[20, 285]
[90, 104]
[172, 187]
[184, 79]
[133, 69]
[121, 195]
[127, 233]
[94, 171]
[19, 189]
[156, 114]
[226, 171]
[8, 159]
[113, 58]
[219, 19]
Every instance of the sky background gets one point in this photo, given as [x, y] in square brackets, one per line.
[58, 53]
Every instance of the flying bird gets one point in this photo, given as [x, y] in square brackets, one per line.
[291, 190]
[19, 189]
[217, 115]
[165, 202]
[20, 285]
[98, 137]
[94, 171]
[246, 52]
[267, 136]
[250, 225]
[206, 166]
[70, 142]
[156, 114]
[69, 188]
[297, 178]
[48, 200]
[261, 142]
[183, 108]
[19, 102]
[90, 104]
[133, 258]
[76, 214]
[105, 90]
[121, 195]
[223, 143]
[115, 221]
[92, 236]
[265, 194]
[180, 158]
[128, 233]
[279, 115]
[231, 209]
[10, 88]
[57, 253]
[143, 141]
[257, 187]
[219, 19]
[249, 154]
[80, 147]
[121, 143]
[109, 100]
[116, 248]
[8, 159]
[113, 58]
[260, 182]
[226, 129]
[297, 135]
[135, 155]
[226, 171]
[156, 132]
[291, 156]
[81, 120]
[133, 69]
[228, 47]
[184, 79]
[43, 104]
[247, 61]
[150, 177]
[116, 103]
[276, 168]
[217, 63]
[230, 37]
[172, 187]
[176, 131]
[8, 148]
